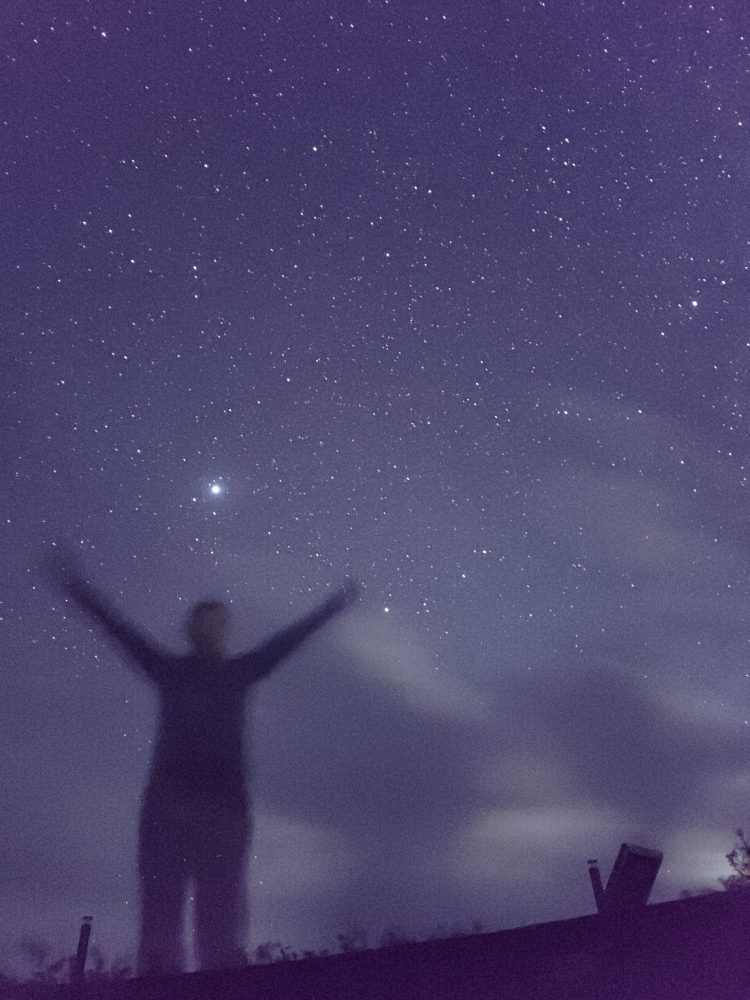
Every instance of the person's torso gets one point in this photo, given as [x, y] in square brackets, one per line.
[200, 738]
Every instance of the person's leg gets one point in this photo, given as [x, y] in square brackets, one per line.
[163, 870]
[220, 903]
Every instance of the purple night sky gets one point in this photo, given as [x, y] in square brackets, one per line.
[448, 298]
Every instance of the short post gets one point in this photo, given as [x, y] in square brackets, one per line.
[596, 883]
[79, 962]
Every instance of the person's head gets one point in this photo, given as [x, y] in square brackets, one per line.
[207, 626]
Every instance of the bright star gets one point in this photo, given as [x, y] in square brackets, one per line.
[215, 489]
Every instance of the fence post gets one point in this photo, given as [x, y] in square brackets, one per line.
[79, 962]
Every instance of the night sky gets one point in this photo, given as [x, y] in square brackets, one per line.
[449, 298]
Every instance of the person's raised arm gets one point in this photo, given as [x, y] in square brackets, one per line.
[263, 658]
[67, 576]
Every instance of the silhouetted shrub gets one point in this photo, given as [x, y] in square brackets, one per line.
[739, 859]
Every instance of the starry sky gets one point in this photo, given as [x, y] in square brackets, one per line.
[449, 298]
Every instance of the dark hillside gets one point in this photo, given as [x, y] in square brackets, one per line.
[691, 948]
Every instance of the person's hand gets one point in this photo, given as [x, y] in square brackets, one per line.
[346, 594]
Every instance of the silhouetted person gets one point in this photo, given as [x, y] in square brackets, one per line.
[195, 820]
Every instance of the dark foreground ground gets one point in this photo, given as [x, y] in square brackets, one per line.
[694, 948]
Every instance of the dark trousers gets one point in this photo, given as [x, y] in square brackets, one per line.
[202, 840]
